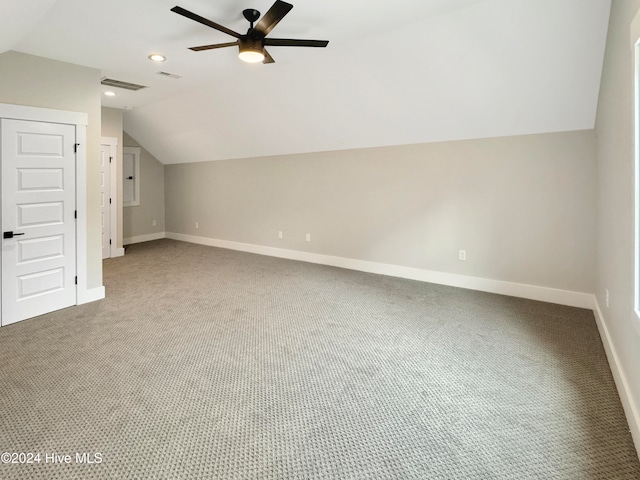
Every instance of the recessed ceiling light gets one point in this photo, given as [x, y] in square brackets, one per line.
[109, 93]
[156, 57]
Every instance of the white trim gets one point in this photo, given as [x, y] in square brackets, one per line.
[533, 292]
[634, 31]
[118, 253]
[635, 36]
[144, 238]
[624, 391]
[82, 269]
[21, 112]
[91, 295]
[113, 193]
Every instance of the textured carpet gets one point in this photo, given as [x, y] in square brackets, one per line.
[209, 363]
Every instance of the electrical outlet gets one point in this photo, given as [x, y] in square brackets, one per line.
[197, 225]
[308, 237]
[154, 223]
[606, 297]
[462, 254]
[280, 234]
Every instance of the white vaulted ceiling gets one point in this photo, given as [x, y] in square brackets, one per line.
[401, 72]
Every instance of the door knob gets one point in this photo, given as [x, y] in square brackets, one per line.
[11, 234]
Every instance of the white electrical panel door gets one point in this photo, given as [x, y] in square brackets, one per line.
[130, 176]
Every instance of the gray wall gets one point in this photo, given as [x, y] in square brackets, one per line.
[138, 220]
[112, 127]
[40, 82]
[615, 194]
[523, 207]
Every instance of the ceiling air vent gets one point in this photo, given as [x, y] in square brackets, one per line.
[120, 84]
[170, 75]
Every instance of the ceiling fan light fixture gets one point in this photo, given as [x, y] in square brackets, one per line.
[251, 56]
[251, 51]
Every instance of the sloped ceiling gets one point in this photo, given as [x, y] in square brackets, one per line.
[401, 72]
[18, 18]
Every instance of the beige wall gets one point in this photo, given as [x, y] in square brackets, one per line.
[40, 82]
[138, 220]
[112, 127]
[615, 196]
[523, 207]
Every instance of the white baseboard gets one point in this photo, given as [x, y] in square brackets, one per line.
[118, 252]
[622, 383]
[533, 292]
[90, 295]
[143, 238]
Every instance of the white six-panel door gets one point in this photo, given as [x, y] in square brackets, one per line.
[38, 207]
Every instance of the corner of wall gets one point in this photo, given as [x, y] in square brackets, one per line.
[622, 382]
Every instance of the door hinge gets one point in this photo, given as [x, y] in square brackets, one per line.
[76, 279]
[109, 200]
[75, 214]
[75, 147]
[109, 241]
[110, 158]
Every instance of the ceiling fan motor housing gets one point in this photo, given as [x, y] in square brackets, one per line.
[248, 44]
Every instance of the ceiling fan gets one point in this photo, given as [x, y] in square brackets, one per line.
[252, 43]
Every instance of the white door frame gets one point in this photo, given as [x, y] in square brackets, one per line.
[80, 120]
[113, 192]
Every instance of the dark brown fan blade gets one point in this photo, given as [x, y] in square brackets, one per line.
[268, 58]
[204, 21]
[290, 42]
[270, 19]
[211, 47]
